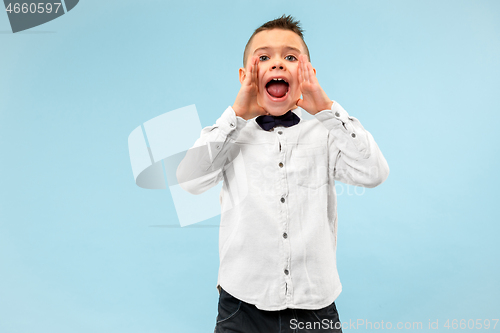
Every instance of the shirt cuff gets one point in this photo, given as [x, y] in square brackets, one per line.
[229, 124]
[333, 117]
[338, 118]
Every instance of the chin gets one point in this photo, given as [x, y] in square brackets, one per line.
[278, 112]
[275, 108]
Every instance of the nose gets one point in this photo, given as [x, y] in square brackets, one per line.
[278, 64]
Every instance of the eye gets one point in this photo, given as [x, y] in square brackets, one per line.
[290, 58]
[263, 58]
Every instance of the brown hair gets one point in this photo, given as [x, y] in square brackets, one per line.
[284, 23]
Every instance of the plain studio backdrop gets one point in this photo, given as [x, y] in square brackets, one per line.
[84, 249]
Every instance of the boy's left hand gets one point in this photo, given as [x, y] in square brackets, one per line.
[314, 98]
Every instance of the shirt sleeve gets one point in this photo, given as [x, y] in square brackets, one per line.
[203, 164]
[355, 157]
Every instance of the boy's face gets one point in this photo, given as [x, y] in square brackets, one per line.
[278, 51]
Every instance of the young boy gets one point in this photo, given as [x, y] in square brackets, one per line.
[278, 231]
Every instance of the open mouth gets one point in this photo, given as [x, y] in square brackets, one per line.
[277, 88]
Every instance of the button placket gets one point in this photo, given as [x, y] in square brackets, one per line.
[284, 200]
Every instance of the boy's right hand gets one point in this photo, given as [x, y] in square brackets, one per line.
[245, 105]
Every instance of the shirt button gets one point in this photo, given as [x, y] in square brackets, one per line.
[286, 272]
[281, 165]
[218, 147]
[282, 199]
[285, 235]
[280, 132]
[232, 125]
[337, 114]
[353, 135]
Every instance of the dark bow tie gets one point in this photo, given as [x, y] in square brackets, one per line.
[267, 122]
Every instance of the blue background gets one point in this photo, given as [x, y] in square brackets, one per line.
[81, 249]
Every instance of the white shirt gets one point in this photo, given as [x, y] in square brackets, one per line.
[278, 231]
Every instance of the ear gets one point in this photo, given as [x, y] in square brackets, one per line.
[243, 74]
[314, 70]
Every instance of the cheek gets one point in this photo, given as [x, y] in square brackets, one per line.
[260, 73]
[296, 88]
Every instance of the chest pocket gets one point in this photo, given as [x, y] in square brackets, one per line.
[311, 166]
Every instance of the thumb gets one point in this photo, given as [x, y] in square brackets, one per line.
[300, 102]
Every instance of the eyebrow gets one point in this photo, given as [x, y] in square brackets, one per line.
[287, 48]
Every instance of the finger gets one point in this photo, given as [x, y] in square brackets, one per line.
[248, 76]
[255, 70]
[311, 72]
[306, 72]
[299, 69]
[303, 68]
[248, 69]
[300, 102]
[303, 61]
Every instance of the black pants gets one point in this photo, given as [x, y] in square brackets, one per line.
[236, 316]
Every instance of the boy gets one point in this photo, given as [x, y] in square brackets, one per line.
[278, 232]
